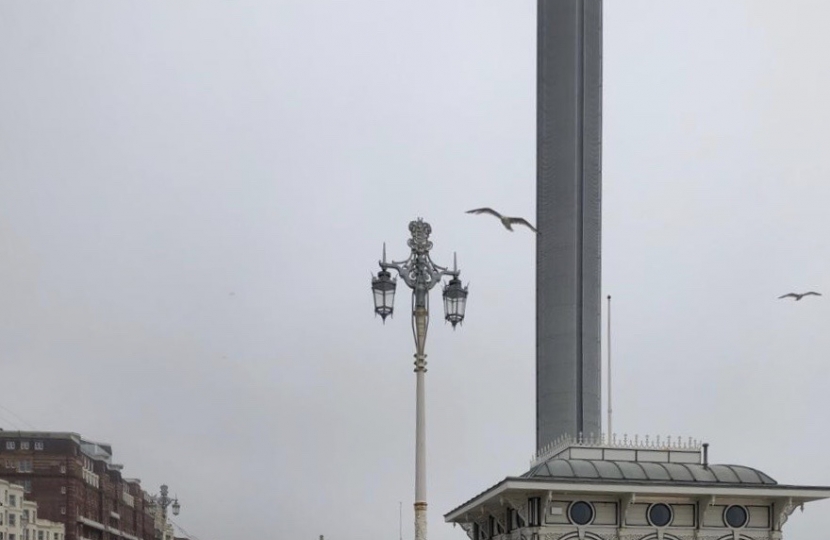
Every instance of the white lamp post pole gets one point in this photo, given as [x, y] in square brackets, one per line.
[420, 274]
[420, 321]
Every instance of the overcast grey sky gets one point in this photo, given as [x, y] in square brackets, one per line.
[193, 194]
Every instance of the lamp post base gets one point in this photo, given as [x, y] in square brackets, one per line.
[420, 521]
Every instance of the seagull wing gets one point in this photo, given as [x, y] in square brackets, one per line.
[811, 293]
[484, 211]
[793, 295]
[522, 221]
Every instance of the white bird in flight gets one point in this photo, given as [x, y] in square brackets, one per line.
[508, 222]
[799, 296]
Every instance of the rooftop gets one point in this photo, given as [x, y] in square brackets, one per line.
[626, 466]
[661, 449]
[609, 459]
[40, 434]
[634, 471]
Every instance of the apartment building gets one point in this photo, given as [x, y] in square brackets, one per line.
[75, 483]
[19, 518]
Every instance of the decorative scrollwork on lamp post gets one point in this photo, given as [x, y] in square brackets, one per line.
[420, 274]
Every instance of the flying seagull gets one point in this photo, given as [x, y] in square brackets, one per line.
[799, 296]
[508, 222]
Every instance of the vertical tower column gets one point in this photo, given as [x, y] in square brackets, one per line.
[568, 216]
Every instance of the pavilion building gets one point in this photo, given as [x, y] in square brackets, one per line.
[578, 489]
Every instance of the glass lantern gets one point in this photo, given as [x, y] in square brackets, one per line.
[455, 301]
[383, 288]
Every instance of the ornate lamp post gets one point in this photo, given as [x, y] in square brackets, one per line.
[420, 274]
[163, 501]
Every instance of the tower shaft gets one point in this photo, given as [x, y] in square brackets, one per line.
[568, 216]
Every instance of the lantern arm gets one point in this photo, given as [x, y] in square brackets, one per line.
[403, 268]
[436, 272]
[442, 271]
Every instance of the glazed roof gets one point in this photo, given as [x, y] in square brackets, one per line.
[639, 471]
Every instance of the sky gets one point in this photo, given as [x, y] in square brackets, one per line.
[193, 195]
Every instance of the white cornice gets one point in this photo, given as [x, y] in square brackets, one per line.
[802, 494]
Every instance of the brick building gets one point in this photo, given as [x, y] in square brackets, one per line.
[75, 482]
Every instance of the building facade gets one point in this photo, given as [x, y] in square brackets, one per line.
[632, 490]
[19, 518]
[75, 482]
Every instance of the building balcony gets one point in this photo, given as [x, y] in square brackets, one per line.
[91, 478]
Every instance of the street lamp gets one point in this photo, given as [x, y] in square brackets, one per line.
[164, 501]
[420, 274]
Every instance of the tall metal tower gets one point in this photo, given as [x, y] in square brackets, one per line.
[568, 216]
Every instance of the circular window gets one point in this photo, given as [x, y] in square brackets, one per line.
[659, 515]
[736, 516]
[581, 513]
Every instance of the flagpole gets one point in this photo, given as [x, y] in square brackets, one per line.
[610, 427]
